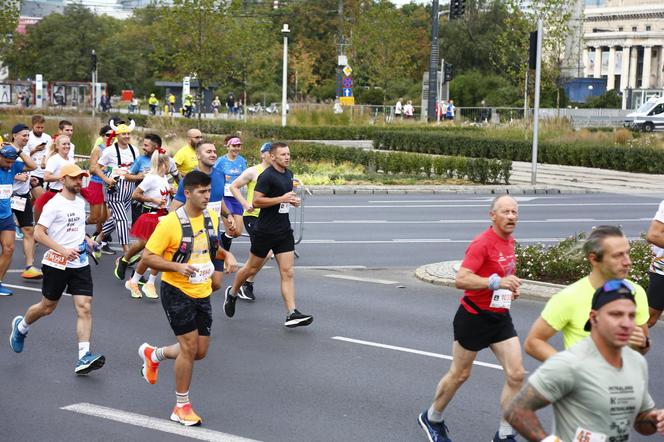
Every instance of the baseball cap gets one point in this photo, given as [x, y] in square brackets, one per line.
[612, 290]
[9, 152]
[19, 127]
[72, 170]
[266, 147]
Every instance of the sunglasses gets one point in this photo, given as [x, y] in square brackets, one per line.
[108, 135]
[616, 284]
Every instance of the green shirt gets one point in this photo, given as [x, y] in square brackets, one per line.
[587, 392]
[567, 311]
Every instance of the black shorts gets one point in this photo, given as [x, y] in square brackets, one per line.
[476, 332]
[281, 243]
[136, 211]
[656, 291]
[184, 313]
[39, 183]
[74, 281]
[25, 218]
[250, 226]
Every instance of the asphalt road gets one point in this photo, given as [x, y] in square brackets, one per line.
[364, 369]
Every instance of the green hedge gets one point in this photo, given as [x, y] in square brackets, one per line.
[630, 159]
[479, 170]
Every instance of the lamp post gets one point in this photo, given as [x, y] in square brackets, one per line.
[284, 83]
[94, 82]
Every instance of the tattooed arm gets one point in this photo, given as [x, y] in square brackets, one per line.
[521, 413]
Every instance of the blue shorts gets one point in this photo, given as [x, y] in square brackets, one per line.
[233, 205]
[7, 223]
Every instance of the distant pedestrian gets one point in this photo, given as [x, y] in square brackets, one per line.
[398, 109]
[449, 112]
[408, 110]
[153, 103]
[216, 104]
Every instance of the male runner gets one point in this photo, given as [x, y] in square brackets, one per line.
[274, 195]
[599, 386]
[186, 286]
[38, 144]
[487, 275]
[186, 158]
[66, 127]
[655, 237]
[61, 228]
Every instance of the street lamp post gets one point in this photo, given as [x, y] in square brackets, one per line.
[284, 82]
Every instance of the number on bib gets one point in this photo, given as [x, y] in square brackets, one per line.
[55, 260]
[501, 298]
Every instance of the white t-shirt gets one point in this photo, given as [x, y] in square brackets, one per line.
[22, 187]
[71, 151]
[53, 165]
[33, 142]
[155, 186]
[657, 265]
[109, 159]
[65, 221]
[408, 110]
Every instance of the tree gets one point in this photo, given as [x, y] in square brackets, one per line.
[302, 62]
[9, 14]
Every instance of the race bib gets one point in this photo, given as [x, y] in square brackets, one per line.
[215, 207]
[55, 260]
[583, 435]
[18, 203]
[5, 191]
[284, 207]
[119, 172]
[501, 298]
[203, 273]
[227, 190]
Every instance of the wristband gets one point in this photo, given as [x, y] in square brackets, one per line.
[494, 282]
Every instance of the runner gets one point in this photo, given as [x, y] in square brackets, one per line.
[154, 193]
[487, 276]
[185, 287]
[598, 387]
[655, 237]
[38, 144]
[66, 127]
[248, 178]
[57, 157]
[94, 193]
[274, 195]
[61, 228]
[9, 168]
[231, 165]
[186, 158]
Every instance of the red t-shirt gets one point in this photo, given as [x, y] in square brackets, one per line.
[487, 254]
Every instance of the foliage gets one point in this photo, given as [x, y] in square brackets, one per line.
[474, 86]
[608, 100]
[9, 14]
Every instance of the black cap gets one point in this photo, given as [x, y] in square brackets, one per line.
[612, 290]
[19, 127]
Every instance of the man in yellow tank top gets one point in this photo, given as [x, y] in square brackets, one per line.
[250, 216]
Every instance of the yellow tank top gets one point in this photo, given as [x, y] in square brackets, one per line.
[250, 191]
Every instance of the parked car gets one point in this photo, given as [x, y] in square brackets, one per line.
[649, 117]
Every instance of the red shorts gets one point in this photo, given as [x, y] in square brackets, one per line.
[43, 199]
[94, 193]
[145, 225]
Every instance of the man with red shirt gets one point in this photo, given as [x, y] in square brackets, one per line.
[487, 276]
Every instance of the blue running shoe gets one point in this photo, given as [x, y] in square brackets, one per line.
[435, 431]
[16, 338]
[4, 291]
[19, 233]
[509, 438]
[89, 362]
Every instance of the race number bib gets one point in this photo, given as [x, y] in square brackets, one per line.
[284, 207]
[227, 190]
[501, 298]
[5, 191]
[215, 207]
[203, 273]
[18, 203]
[583, 435]
[119, 172]
[55, 260]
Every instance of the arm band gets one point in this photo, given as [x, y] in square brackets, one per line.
[494, 282]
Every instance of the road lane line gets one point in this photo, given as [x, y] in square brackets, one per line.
[153, 423]
[452, 206]
[357, 278]
[479, 221]
[410, 350]
[22, 287]
[475, 200]
[431, 240]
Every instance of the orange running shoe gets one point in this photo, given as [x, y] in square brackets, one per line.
[150, 369]
[186, 416]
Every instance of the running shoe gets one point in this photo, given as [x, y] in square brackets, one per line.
[19, 233]
[96, 252]
[120, 271]
[134, 289]
[4, 291]
[510, 438]
[298, 319]
[32, 273]
[435, 431]
[106, 249]
[247, 291]
[16, 338]
[150, 369]
[89, 362]
[150, 291]
[133, 260]
[229, 302]
[186, 416]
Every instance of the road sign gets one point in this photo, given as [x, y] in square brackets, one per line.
[347, 71]
[347, 92]
[347, 82]
[347, 101]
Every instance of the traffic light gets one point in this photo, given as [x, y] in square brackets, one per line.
[457, 8]
[93, 60]
[532, 51]
[448, 72]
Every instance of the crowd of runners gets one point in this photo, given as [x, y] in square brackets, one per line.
[183, 213]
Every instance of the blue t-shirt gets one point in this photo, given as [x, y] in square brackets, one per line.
[142, 164]
[6, 184]
[218, 182]
[231, 169]
[93, 176]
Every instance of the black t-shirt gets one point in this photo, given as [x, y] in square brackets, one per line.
[272, 183]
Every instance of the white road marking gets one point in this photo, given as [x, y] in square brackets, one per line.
[410, 350]
[430, 240]
[31, 289]
[357, 278]
[374, 206]
[475, 200]
[153, 423]
[479, 221]
[349, 267]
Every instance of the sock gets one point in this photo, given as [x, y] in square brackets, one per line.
[226, 242]
[83, 348]
[158, 355]
[505, 429]
[136, 277]
[182, 399]
[433, 415]
[152, 278]
[23, 326]
[290, 312]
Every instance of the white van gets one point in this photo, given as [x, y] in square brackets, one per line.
[649, 117]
